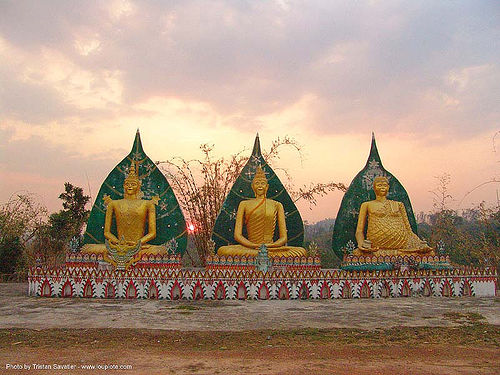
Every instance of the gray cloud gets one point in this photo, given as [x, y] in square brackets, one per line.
[41, 158]
[370, 64]
[30, 102]
[41, 167]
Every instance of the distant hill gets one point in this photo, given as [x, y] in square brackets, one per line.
[311, 230]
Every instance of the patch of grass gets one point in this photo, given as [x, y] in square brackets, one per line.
[195, 367]
[311, 332]
[465, 318]
[218, 303]
[453, 316]
[187, 307]
[475, 317]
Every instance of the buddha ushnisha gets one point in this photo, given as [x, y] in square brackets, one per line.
[260, 215]
[388, 231]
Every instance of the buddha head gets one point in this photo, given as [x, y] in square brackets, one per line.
[381, 186]
[132, 184]
[259, 183]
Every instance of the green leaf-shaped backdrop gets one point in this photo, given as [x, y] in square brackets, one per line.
[170, 222]
[223, 233]
[361, 190]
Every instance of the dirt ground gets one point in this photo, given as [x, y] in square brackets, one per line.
[394, 336]
[469, 349]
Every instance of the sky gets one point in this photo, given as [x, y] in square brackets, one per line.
[77, 78]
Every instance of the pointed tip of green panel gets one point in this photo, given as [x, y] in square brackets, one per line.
[137, 147]
[256, 146]
[374, 155]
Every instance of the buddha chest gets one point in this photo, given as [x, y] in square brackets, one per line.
[131, 218]
[260, 218]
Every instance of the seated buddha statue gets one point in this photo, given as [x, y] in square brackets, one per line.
[131, 215]
[388, 230]
[260, 215]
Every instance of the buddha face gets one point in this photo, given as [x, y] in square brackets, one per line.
[260, 186]
[131, 187]
[381, 187]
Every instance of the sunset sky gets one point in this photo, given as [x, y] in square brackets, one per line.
[77, 78]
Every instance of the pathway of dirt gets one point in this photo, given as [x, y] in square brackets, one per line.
[469, 349]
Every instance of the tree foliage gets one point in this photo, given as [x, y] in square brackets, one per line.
[68, 223]
[470, 237]
[20, 219]
[28, 233]
[53, 236]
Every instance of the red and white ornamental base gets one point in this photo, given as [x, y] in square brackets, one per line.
[163, 278]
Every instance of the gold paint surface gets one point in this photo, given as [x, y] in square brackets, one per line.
[388, 229]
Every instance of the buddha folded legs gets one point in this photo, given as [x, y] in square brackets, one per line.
[123, 248]
[239, 250]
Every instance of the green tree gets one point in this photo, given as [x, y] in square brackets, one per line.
[10, 256]
[74, 215]
[67, 223]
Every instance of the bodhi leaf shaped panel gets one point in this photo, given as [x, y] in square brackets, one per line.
[170, 224]
[361, 190]
[223, 233]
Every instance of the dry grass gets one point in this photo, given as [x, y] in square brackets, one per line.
[470, 335]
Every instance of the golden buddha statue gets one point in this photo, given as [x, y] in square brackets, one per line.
[131, 215]
[260, 215]
[388, 231]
